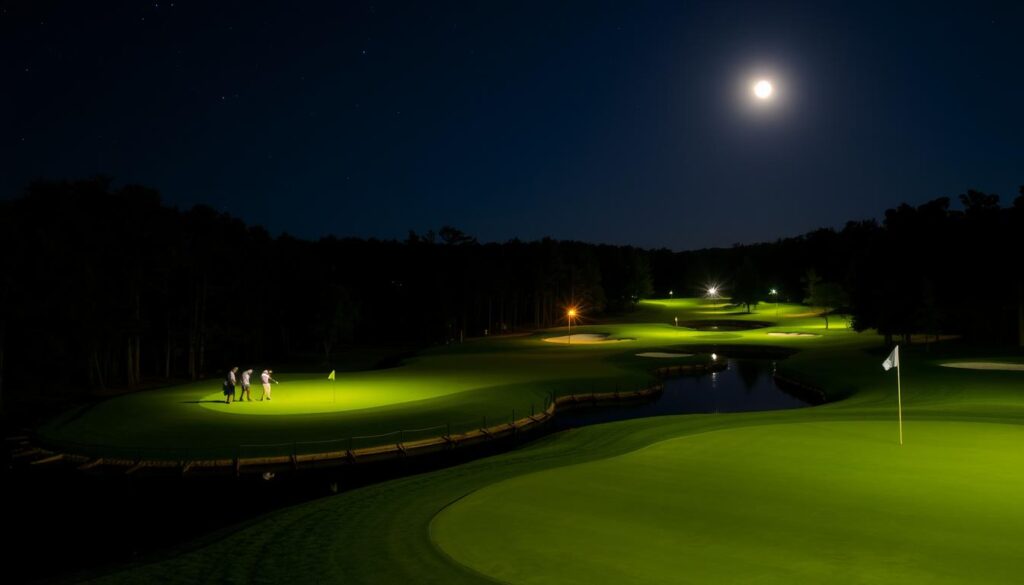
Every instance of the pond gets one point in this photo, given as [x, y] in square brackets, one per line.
[744, 385]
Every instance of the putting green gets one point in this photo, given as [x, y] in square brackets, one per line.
[822, 502]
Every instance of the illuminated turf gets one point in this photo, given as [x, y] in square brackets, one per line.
[800, 503]
[460, 387]
[815, 495]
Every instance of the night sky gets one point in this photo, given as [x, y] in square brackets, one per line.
[627, 123]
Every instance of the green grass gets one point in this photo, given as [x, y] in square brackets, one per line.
[457, 387]
[820, 494]
[769, 504]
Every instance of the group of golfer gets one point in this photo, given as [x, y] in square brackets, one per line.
[231, 380]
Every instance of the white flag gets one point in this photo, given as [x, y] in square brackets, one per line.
[893, 361]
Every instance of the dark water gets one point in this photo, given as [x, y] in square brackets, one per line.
[745, 385]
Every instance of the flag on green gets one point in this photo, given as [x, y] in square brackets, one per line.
[893, 361]
[331, 376]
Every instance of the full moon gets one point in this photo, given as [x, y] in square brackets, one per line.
[763, 89]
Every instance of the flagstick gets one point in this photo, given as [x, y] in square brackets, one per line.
[899, 394]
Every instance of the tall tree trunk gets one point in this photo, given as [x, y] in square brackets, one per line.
[1020, 313]
[129, 367]
[202, 327]
[536, 309]
[1, 368]
[193, 337]
[515, 310]
[167, 352]
[138, 358]
[98, 369]
[196, 337]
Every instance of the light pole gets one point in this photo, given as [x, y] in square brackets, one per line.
[569, 315]
[710, 293]
[775, 293]
[670, 294]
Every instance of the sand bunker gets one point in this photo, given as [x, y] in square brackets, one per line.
[985, 366]
[663, 354]
[793, 334]
[582, 338]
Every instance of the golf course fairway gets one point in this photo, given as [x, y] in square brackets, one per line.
[822, 494]
[829, 502]
[453, 388]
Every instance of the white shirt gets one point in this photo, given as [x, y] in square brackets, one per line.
[231, 376]
[265, 376]
[245, 377]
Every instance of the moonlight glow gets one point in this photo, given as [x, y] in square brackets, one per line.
[763, 89]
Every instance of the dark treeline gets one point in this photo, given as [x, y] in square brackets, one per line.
[927, 269]
[103, 287]
[106, 287]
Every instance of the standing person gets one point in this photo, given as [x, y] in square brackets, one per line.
[266, 379]
[246, 376]
[229, 385]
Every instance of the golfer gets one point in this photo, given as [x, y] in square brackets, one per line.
[246, 376]
[266, 379]
[229, 385]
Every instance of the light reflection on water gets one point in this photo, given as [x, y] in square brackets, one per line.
[745, 385]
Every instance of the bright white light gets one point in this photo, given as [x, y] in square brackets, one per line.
[713, 291]
[714, 356]
[763, 89]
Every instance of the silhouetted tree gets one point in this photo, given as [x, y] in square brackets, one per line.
[746, 290]
[826, 295]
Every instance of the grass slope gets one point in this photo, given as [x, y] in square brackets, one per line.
[798, 503]
[808, 495]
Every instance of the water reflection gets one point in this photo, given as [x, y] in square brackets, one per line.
[745, 385]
